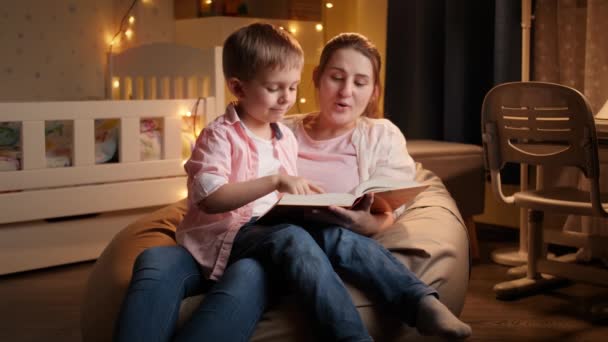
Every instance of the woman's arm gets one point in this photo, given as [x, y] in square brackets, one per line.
[361, 220]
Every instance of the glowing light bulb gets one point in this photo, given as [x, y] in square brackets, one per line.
[131, 19]
[319, 27]
[302, 100]
[129, 33]
[281, 27]
[116, 84]
[208, 2]
[293, 30]
[183, 194]
[187, 113]
[329, 5]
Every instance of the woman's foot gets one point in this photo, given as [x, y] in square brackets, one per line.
[434, 318]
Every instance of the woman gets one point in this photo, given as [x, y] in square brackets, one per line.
[347, 83]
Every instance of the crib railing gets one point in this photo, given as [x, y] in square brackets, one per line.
[38, 192]
[167, 71]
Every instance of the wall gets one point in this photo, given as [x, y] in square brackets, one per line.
[367, 17]
[216, 29]
[56, 50]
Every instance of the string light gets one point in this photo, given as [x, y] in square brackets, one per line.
[183, 194]
[115, 41]
[319, 27]
[303, 100]
[293, 30]
[116, 84]
[329, 5]
[127, 18]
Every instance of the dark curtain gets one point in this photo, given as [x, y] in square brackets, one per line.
[442, 57]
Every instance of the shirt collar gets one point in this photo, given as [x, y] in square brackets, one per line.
[232, 117]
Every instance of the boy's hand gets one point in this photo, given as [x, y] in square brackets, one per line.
[296, 185]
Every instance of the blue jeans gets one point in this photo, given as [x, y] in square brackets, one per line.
[288, 251]
[306, 259]
[163, 276]
[309, 259]
[369, 266]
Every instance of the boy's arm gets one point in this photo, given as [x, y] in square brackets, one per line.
[232, 196]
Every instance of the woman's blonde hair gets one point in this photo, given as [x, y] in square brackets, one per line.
[364, 46]
[259, 46]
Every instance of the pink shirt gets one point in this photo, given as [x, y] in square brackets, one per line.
[317, 157]
[380, 148]
[223, 150]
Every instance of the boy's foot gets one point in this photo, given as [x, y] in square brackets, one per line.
[434, 318]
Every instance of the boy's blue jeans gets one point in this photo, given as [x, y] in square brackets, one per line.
[306, 259]
[163, 276]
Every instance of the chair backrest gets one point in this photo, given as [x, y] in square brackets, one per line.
[539, 123]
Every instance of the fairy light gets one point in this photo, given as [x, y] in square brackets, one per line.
[116, 84]
[319, 27]
[329, 5]
[115, 41]
[303, 100]
[183, 194]
[127, 18]
[208, 2]
[293, 30]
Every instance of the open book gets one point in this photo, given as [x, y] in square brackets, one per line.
[388, 195]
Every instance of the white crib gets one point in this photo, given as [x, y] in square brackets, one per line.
[167, 71]
[41, 208]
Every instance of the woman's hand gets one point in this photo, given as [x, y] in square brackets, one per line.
[296, 185]
[360, 219]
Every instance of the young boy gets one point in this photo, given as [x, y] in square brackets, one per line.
[239, 163]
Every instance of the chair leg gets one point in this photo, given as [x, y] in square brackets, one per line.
[472, 230]
[534, 282]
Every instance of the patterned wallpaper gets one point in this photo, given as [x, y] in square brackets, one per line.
[56, 49]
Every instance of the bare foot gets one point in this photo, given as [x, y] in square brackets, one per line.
[434, 318]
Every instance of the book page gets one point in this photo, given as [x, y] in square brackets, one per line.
[380, 184]
[342, 200]
[398, 197]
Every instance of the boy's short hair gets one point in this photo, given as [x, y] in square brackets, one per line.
[258, 46]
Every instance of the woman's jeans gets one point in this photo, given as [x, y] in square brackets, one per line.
[306, 259]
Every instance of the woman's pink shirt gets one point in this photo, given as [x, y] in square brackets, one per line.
[330, 164]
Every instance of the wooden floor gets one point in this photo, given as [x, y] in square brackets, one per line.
[44, 305]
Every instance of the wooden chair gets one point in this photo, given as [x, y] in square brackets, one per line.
[544, 124]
